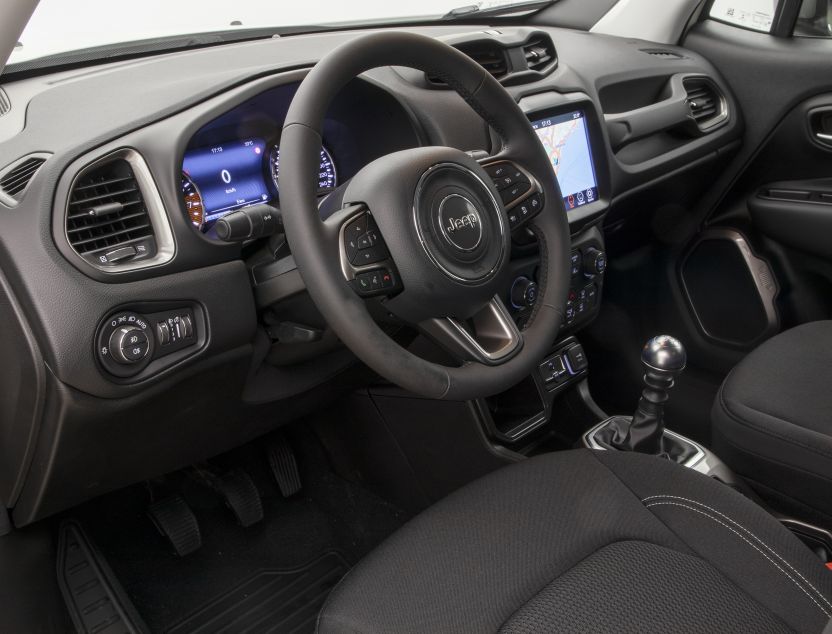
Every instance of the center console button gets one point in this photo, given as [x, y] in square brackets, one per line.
[595, 261]
[575, 263]
[576, 359]
[591, 295]
[553, 370]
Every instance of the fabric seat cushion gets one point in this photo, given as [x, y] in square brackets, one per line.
[534, 546]
[772, 419]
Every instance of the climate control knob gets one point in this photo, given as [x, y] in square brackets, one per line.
[523, 293]
[129, 344]
[595, 261]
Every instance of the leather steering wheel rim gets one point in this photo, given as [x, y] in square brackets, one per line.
[309, 238]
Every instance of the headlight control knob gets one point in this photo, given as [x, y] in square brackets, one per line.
[128, 344]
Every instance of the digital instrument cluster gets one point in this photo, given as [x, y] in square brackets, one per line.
[222, 178]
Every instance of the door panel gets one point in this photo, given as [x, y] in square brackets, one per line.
[777, 193]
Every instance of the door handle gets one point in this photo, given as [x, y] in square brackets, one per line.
[820, 126]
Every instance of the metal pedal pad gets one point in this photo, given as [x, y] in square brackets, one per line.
[284, 467]
[241, 496]
[175, 521]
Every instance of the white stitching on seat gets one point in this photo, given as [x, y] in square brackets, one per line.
[747, 541]
[743, 528]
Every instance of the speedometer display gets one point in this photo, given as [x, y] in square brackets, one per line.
[327, 178]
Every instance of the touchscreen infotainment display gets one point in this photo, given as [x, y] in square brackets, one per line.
[229, 176]
[566, 140]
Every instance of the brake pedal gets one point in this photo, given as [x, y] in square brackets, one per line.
[175, 521]
[284, 467]
[241, 496]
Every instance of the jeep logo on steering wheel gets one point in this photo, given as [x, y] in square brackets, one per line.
[460, 222]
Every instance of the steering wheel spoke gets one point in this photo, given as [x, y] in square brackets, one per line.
[365, 259]
[490, 337]
[519, 190]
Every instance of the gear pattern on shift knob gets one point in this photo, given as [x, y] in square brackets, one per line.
[665, 354]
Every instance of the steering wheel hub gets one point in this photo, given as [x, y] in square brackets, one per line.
[460, 224]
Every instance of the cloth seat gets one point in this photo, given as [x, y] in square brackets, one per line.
[587, 541]
[772, 420]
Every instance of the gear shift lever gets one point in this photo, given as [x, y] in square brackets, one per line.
[663, 358]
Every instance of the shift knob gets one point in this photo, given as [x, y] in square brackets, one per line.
[664, 354]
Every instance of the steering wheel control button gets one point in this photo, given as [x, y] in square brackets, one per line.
[363, 244]
[498, 170]
[460, 222]
[370, 255]
[376, 282]
[353, 232]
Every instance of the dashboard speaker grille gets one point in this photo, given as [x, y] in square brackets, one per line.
[5, 102]
[662, 53]
[14, 181]
[106, 210]
[540, 53]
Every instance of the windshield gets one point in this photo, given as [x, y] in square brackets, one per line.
[59, 26]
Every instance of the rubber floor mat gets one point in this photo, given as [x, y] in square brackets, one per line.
[270, 601]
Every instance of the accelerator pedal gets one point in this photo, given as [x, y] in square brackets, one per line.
[176, 522]
[241, 496]
[284, 466]
[93, 596]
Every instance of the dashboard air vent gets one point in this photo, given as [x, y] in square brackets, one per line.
[540, 53]
[490, 56]
[107, 220]
[15, 180]
[706, 103]
[5, 102]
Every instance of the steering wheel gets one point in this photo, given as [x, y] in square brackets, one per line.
[426, 230]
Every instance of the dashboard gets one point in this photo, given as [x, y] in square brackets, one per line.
[142, 335]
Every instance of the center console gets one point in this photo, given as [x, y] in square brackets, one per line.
[569, 130]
